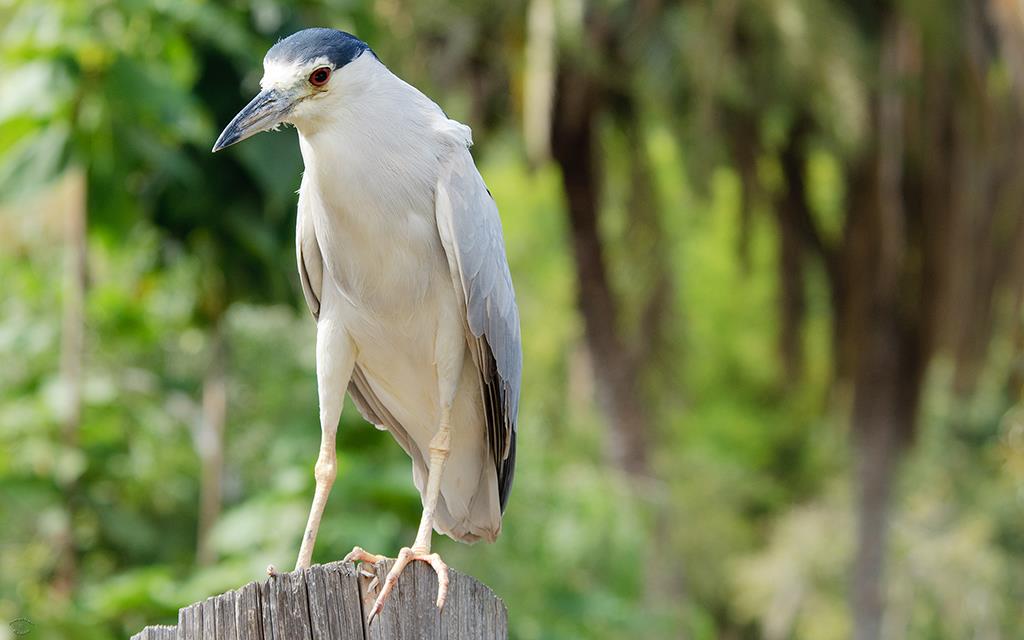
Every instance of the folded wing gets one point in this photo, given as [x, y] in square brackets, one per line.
[470, 230]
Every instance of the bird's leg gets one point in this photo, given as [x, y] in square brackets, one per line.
[334, 362]
[440, 445]
[449, 352]
[325, 472]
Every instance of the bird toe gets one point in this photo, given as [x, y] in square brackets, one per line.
[405, 557]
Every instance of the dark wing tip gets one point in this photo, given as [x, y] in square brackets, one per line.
[506, 471]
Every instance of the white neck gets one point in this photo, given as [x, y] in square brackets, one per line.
[375, 134]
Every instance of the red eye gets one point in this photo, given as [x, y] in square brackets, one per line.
[320, 76]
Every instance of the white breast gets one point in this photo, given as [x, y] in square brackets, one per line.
[373, 156]
[371, 171]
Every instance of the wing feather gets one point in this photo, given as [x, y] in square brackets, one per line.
[374, 411]
[470, 230]
[310, 262]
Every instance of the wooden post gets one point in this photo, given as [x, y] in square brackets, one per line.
[330, 602]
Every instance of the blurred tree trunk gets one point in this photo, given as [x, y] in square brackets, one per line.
[624, 331]
[790, 214]
[539, 79]
[210, 442]
[887, 383]
[741, 132]
[890, 327]
[615, 370]
[72, 353]
[884, 412]
[1015, 379]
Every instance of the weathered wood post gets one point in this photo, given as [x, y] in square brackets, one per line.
[330, 602]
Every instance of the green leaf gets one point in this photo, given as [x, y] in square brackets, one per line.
[34, 162]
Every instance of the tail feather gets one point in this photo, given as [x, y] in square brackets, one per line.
[480, 520]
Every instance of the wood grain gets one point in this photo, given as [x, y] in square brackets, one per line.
[472, 610]
[330, 602]
[248, 618]
[156, 632]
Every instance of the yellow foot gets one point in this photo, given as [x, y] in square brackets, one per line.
[405, 556]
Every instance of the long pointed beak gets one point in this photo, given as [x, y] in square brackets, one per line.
[267, 110]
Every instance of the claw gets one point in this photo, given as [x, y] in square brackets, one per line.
[358, 554]
[406, 556]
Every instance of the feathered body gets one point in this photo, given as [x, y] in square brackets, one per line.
[383, 282]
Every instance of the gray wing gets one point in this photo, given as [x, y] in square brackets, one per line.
[470, 230]
[309, 259]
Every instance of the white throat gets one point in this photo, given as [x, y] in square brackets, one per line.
[374, 135]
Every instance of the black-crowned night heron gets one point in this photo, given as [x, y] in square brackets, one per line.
[402, 263]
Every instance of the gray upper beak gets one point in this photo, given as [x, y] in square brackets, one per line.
[267, 110]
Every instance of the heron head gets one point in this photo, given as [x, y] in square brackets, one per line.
[299, 74]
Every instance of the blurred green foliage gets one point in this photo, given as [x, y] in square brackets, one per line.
[748, 520]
